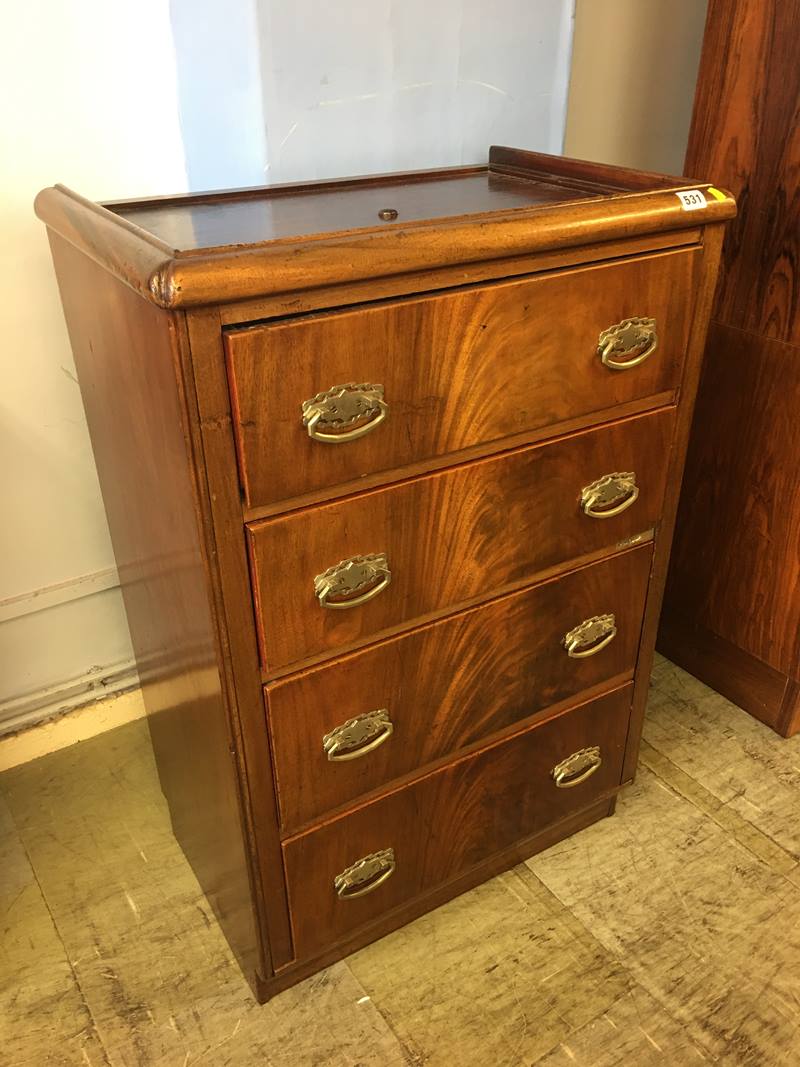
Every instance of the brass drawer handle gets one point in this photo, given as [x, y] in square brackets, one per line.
[609, 495]
[637, 336]
[328, 415]
[590, 637]
[358, 736]
[365, 874]
[353, 581]
[577, 767]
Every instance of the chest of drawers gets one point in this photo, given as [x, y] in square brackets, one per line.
[390, 467]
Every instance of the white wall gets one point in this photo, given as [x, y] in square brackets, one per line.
[90, 99]
[219, 92]
[365, 86]
[126, 99]
[634, 70]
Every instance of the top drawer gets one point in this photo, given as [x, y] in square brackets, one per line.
[456, 370]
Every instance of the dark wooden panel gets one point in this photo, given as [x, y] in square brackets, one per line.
[523, 161]
[241, 664]
[450, 821]
[789, 723]
[246, 312]
[458, 370]
[128, 363]
[452, 536]
[272, 217]
[736, 561]
[740, 677]
[735, 572]
[712, 247]
[450, 684]
[746, 134]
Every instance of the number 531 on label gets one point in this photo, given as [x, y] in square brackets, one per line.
[692, 199]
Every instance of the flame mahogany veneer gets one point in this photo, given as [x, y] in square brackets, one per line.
[467, 312]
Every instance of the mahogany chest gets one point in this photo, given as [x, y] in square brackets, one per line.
[391, 468]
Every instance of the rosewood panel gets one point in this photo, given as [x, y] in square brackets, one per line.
[453, 536]
[732, 608]
[743, 679]
[746, 133]
[451, 683]
[736, 562]
[457, 370]
[451, 820]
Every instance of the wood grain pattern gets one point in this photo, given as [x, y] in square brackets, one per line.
[129, 366]
[746, 133]
[582, 171]
[745, 680]
[468, 540]
[712, 248]
[451, 536]
[563, 211]
[450, 684]
[240, 661]
[450, 820]
[789, 720]
[458, 370]
[735, 574]
[297, 266]
[462, 456]
[388, 921]
[344, 295]
[740, 577]
[276, 215]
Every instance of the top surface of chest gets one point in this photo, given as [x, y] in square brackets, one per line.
[324, 208]
[203, 249]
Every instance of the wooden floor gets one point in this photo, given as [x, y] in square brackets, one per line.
[669, 934]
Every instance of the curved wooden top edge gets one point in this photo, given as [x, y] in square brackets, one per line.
[296, 266]
[132, 254]
[172, 280]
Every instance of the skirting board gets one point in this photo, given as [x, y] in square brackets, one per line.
[762, 691]
[79, 724]
[62, 646]
[53, 702]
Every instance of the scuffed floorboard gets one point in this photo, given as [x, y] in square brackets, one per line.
[669, 934]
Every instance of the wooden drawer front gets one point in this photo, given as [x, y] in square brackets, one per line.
[458, 370]
[444, 824]
[447, 685]
[452, 536]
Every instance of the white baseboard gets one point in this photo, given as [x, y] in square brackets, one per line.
[62, 647]
[54, 701]
[68, 729]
